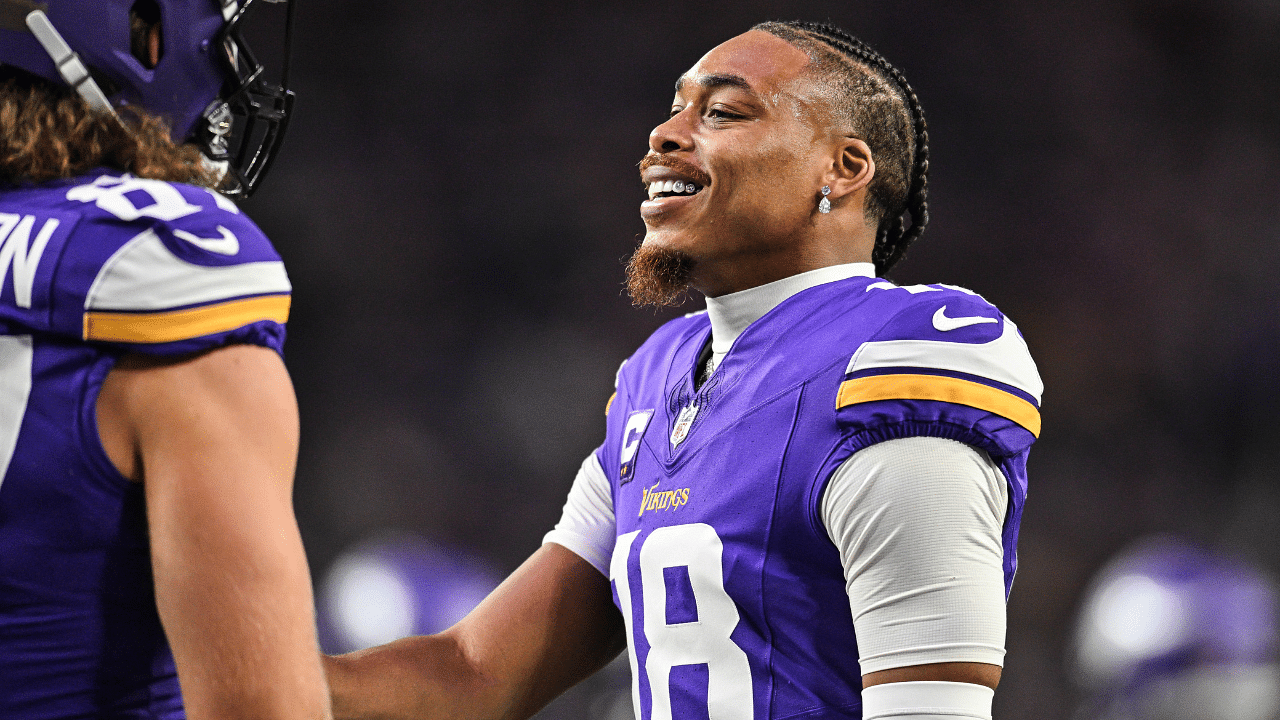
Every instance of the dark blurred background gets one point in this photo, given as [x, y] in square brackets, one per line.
[458, 194]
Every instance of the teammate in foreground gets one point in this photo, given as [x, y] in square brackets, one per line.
[808, 497]
[148, 428]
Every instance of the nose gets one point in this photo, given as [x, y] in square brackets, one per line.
[674, 134]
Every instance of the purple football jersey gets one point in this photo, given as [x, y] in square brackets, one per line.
[90, 269]
[733, 594]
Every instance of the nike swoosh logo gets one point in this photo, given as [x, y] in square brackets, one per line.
[943, 323]
[225, 245]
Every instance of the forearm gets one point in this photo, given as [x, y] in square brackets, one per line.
[548, 626]
[422, 678]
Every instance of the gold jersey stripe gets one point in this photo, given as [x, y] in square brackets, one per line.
[609, 404]
[945, 389]
[174, 325]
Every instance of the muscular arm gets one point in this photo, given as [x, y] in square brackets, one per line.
[548, 626]
[214, 439]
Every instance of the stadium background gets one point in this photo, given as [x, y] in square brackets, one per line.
[458, 194]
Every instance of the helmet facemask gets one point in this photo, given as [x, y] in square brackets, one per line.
[245, 126]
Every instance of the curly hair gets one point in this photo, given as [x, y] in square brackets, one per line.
[882, 109]
[51, 133]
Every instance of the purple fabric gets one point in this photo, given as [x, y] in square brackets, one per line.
[766, 439]
[79, 631]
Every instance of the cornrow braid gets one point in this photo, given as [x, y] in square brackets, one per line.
[894, 193]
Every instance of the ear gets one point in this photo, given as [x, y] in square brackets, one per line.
[852, 168]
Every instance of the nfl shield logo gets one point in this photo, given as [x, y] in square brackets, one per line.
[683, 423]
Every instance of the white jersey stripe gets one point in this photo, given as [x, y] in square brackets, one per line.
[1005, 359]
[144, 275]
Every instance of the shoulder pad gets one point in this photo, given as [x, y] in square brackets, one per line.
[156, 262]
[949, 345]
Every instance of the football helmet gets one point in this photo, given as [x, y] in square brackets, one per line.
[1171, 631]
[208, 84]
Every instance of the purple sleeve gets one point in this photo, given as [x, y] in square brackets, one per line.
[166, 269]
[946, 365]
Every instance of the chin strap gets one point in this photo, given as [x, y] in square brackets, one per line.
[68, 63]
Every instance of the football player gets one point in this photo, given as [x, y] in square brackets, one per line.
[807, 501]
[149, 555]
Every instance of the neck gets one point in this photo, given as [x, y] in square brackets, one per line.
[844, 242]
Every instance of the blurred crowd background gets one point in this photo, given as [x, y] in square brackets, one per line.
[459, 192]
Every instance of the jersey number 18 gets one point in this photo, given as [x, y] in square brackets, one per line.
[704, 639]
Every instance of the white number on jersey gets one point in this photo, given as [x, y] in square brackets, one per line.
[16, 352]
[697, 548]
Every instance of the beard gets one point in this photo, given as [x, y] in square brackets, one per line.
[658, 276]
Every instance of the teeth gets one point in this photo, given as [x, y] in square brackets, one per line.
[678, 187]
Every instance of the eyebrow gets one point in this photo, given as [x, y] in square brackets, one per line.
[713, 81]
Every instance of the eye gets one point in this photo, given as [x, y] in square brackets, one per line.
[722, 114]
[675, 110]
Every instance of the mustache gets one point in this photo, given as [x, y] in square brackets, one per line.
[681, 166]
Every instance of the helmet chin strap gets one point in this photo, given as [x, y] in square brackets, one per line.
[68, 63]
[218, 167]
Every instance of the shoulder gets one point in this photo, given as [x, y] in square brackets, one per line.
[942, 344]
[674, 336]
[950, 329]
[162, 266]
[196, 225]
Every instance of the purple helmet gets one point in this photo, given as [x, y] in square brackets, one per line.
[208, 85]
[1172, 631]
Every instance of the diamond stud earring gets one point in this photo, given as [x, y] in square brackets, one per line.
[824, 205]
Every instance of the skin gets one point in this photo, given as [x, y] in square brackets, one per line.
[550, 625]
[761, 136]
[213, 438]
[758, 132]
[755, 132]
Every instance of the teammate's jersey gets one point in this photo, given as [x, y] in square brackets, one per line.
[733, 594]
[91, 269]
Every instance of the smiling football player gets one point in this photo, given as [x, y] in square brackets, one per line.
[807, 501]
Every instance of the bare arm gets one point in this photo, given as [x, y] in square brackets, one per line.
[548, 626]
[214, 439]
[966, 672]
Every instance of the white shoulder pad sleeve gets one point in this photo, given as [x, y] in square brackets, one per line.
[918, 524]
[587, 525]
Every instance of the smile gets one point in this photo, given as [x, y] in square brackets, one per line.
[670, 188]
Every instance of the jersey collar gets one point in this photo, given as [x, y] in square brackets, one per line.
[731, 314]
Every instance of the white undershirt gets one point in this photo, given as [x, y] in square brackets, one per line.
[731, 314]
[917, 522]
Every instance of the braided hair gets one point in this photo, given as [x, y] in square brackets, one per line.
[884, 112]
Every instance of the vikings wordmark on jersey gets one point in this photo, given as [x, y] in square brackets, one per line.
[91, 269]
[732, 592]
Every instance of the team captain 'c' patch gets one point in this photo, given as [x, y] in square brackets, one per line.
[976, 375]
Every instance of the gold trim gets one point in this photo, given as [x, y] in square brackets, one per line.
[944, 389]
[174, 325]
[609, 404]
